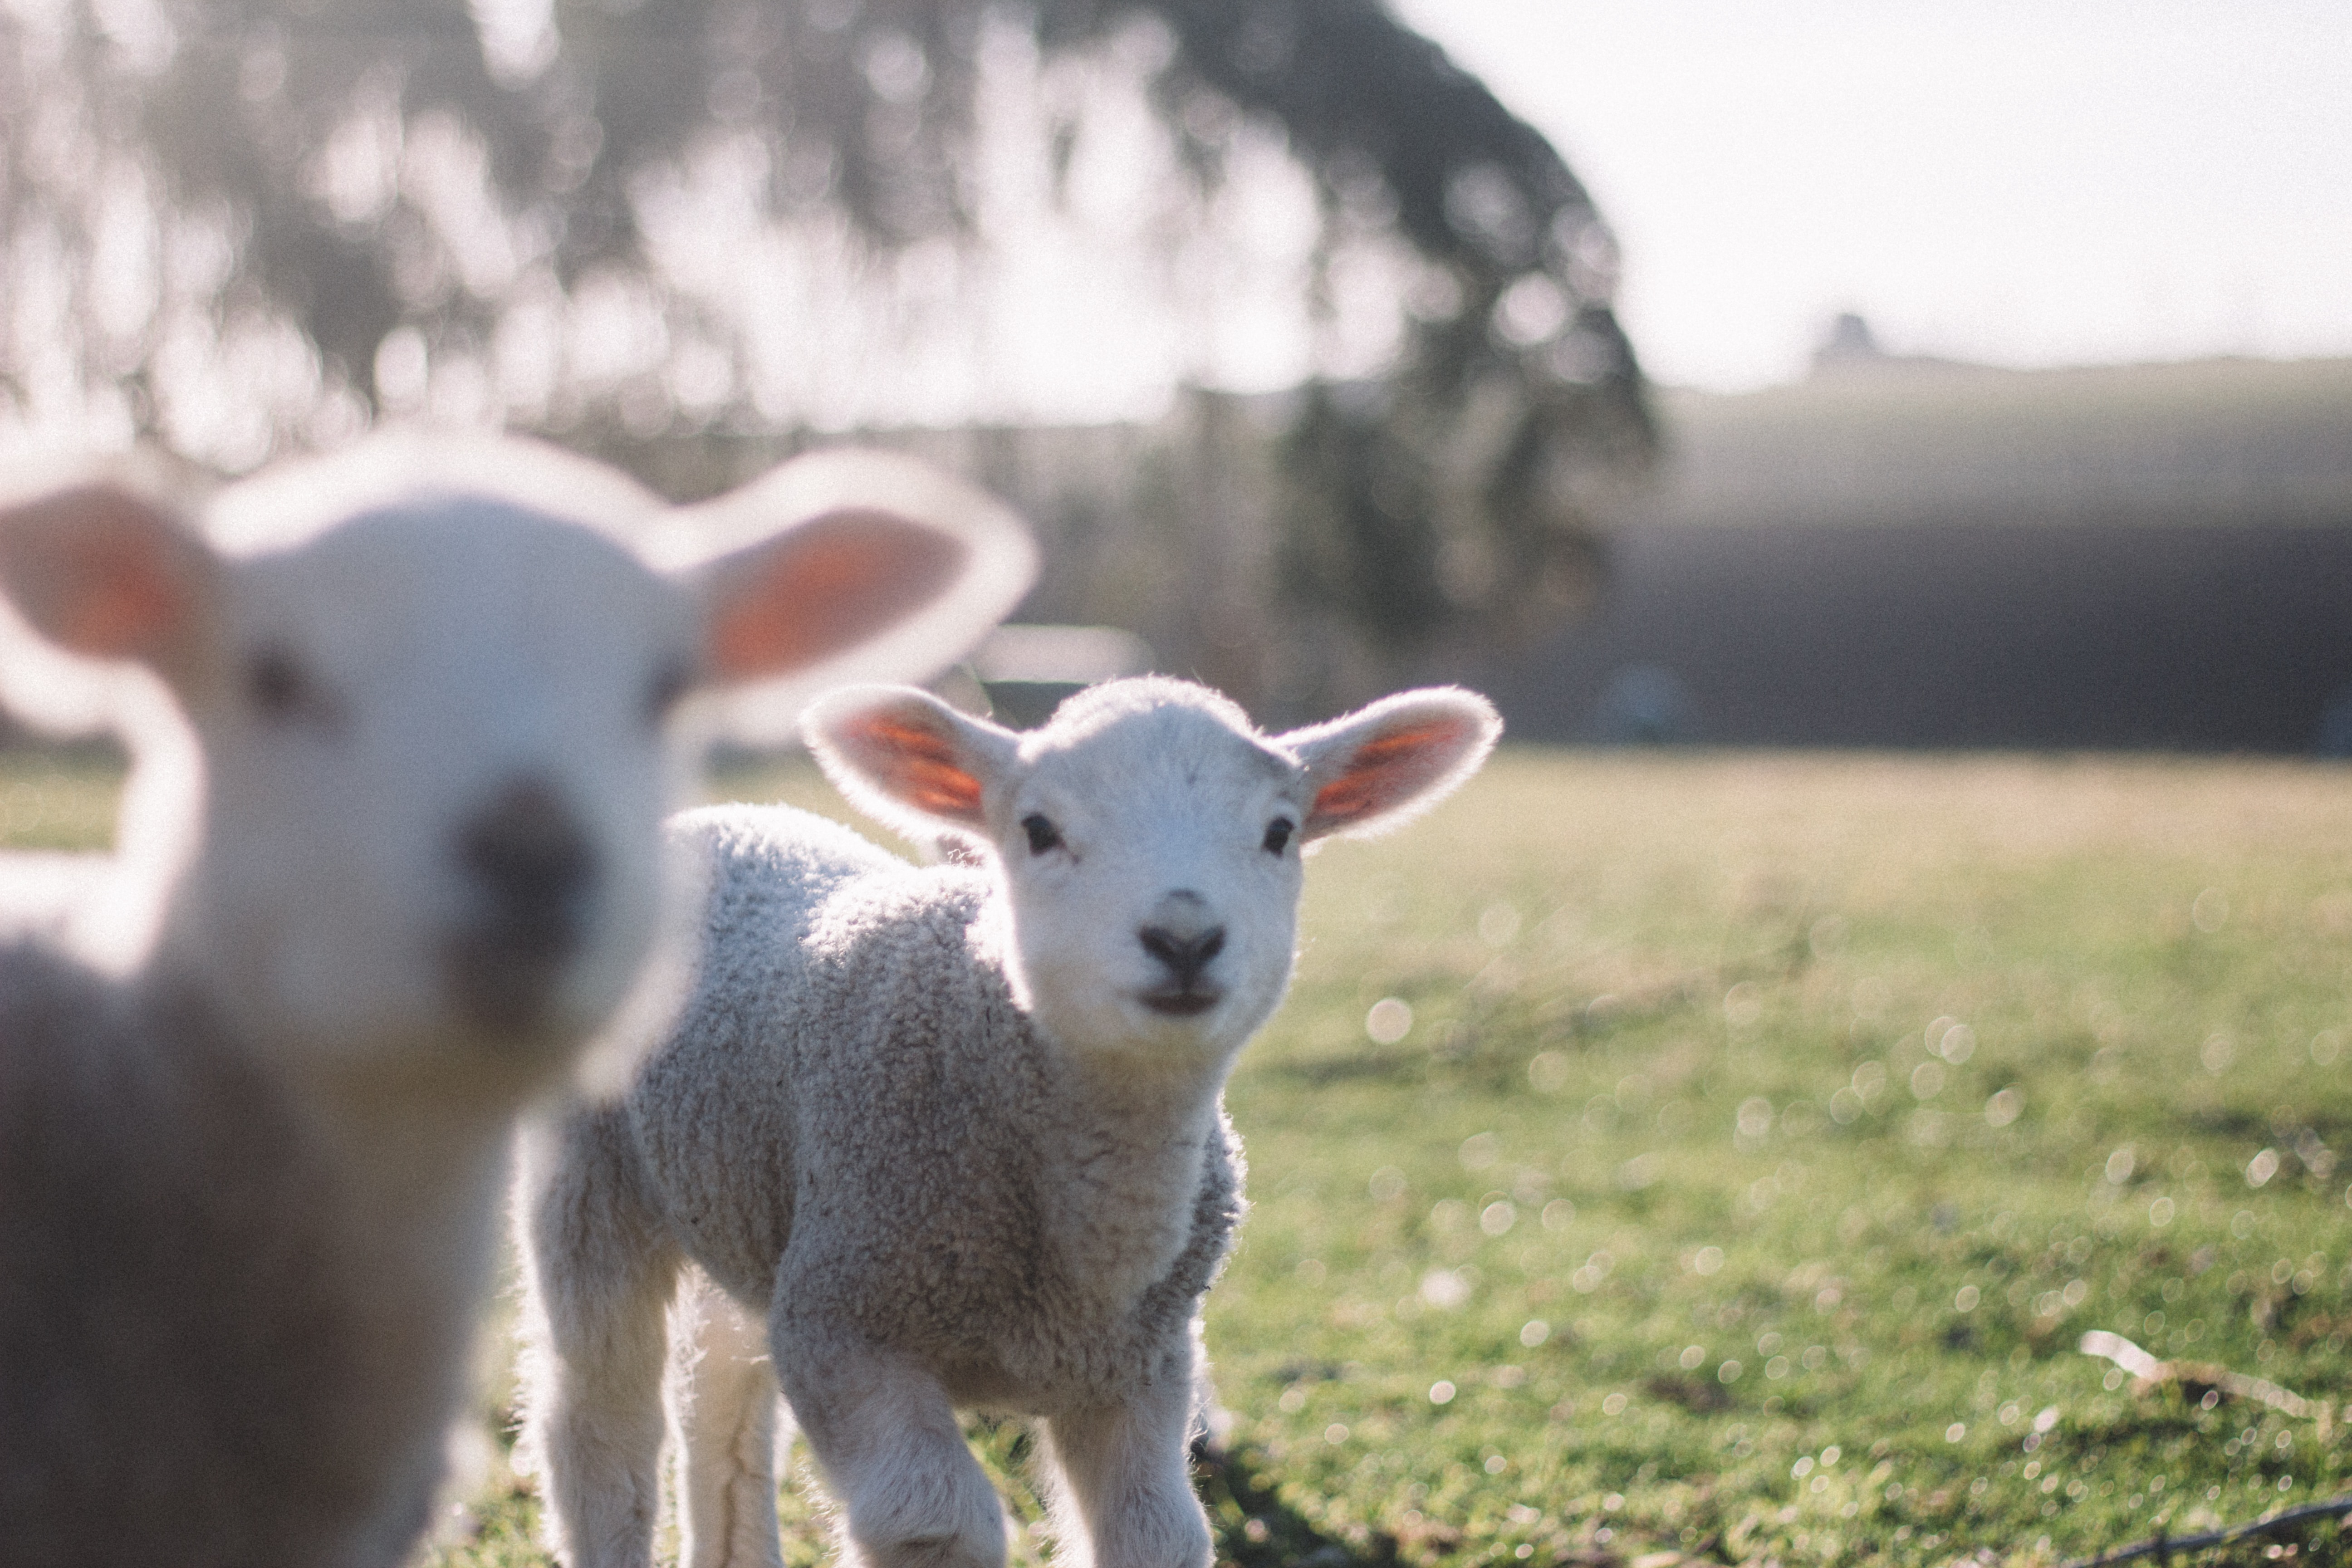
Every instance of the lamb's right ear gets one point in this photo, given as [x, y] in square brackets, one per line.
[861, 566]
[907, 759]
[106, 572]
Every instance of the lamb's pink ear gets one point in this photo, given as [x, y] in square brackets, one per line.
[106, 573]
[871, 566]
[905, 757]
[827, 585]
[1384, 765]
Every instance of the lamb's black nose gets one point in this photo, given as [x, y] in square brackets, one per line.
[529, 857]
[529, 866]
[1185, 949]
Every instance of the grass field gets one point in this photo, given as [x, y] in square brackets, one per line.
[1686, 1158]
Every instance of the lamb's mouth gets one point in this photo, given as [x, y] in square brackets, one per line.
[504, 969]
[1181, 1002]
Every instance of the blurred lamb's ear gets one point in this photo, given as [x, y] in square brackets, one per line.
[104, 571]
[906, 758]
[1385, 764]
[859, 566]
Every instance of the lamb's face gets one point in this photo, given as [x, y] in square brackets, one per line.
[436, 763]
[432, 700]
[1152, 864]
[1148, 836]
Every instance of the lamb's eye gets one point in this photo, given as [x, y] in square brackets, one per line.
[1042, 835]
[276, 684]
[1278, 835]
[662, 691]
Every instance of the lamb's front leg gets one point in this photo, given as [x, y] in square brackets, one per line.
[884, 1433]
[598, 1275]
[1121, 1480]
[722, 1407]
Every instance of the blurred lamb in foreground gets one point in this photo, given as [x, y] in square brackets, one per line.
[957, 1133]
[430, 697]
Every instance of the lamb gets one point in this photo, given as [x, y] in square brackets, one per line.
[955, 1133]
[437, 705]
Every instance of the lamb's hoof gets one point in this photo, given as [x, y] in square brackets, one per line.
[976, 1545]
[933, 1551]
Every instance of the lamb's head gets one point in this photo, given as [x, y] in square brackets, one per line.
[435, 687]
[1149, 837]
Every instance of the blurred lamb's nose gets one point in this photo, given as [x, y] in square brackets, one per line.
[530, 868]
[526, 852]
[1183, 936]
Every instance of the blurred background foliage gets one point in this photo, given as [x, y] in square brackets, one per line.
[243, 227]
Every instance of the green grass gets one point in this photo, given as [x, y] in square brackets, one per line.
[1660, 1230]
[1657, 1115]
[58, 799]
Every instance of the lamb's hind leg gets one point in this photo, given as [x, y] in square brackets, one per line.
[722, 1407]
[912, 1495]
[598, 1271]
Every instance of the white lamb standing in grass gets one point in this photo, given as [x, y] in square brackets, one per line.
[250, 1177]
[955, 1133]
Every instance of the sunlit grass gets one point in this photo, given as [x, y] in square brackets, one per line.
[1665, 1185]
[58, 799]
[1659, 1228]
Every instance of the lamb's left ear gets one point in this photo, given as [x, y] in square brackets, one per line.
[1385, 764]
[868, 566]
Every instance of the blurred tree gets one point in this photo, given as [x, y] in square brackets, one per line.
[304, 201]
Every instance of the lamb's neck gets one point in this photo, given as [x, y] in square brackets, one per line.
[416, 1148]
[414, 1144]
[1123, 1166]
[400, 1190]
[423, 1170]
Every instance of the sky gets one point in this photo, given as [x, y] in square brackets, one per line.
[2019, 181]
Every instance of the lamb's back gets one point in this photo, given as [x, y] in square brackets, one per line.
[835, 986]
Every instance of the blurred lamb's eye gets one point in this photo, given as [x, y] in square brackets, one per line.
[1043, 836]
[1278, 835]
[662, 692]
[276, 684]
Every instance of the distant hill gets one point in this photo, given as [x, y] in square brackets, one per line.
[1896, 554]
[1894, 441]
